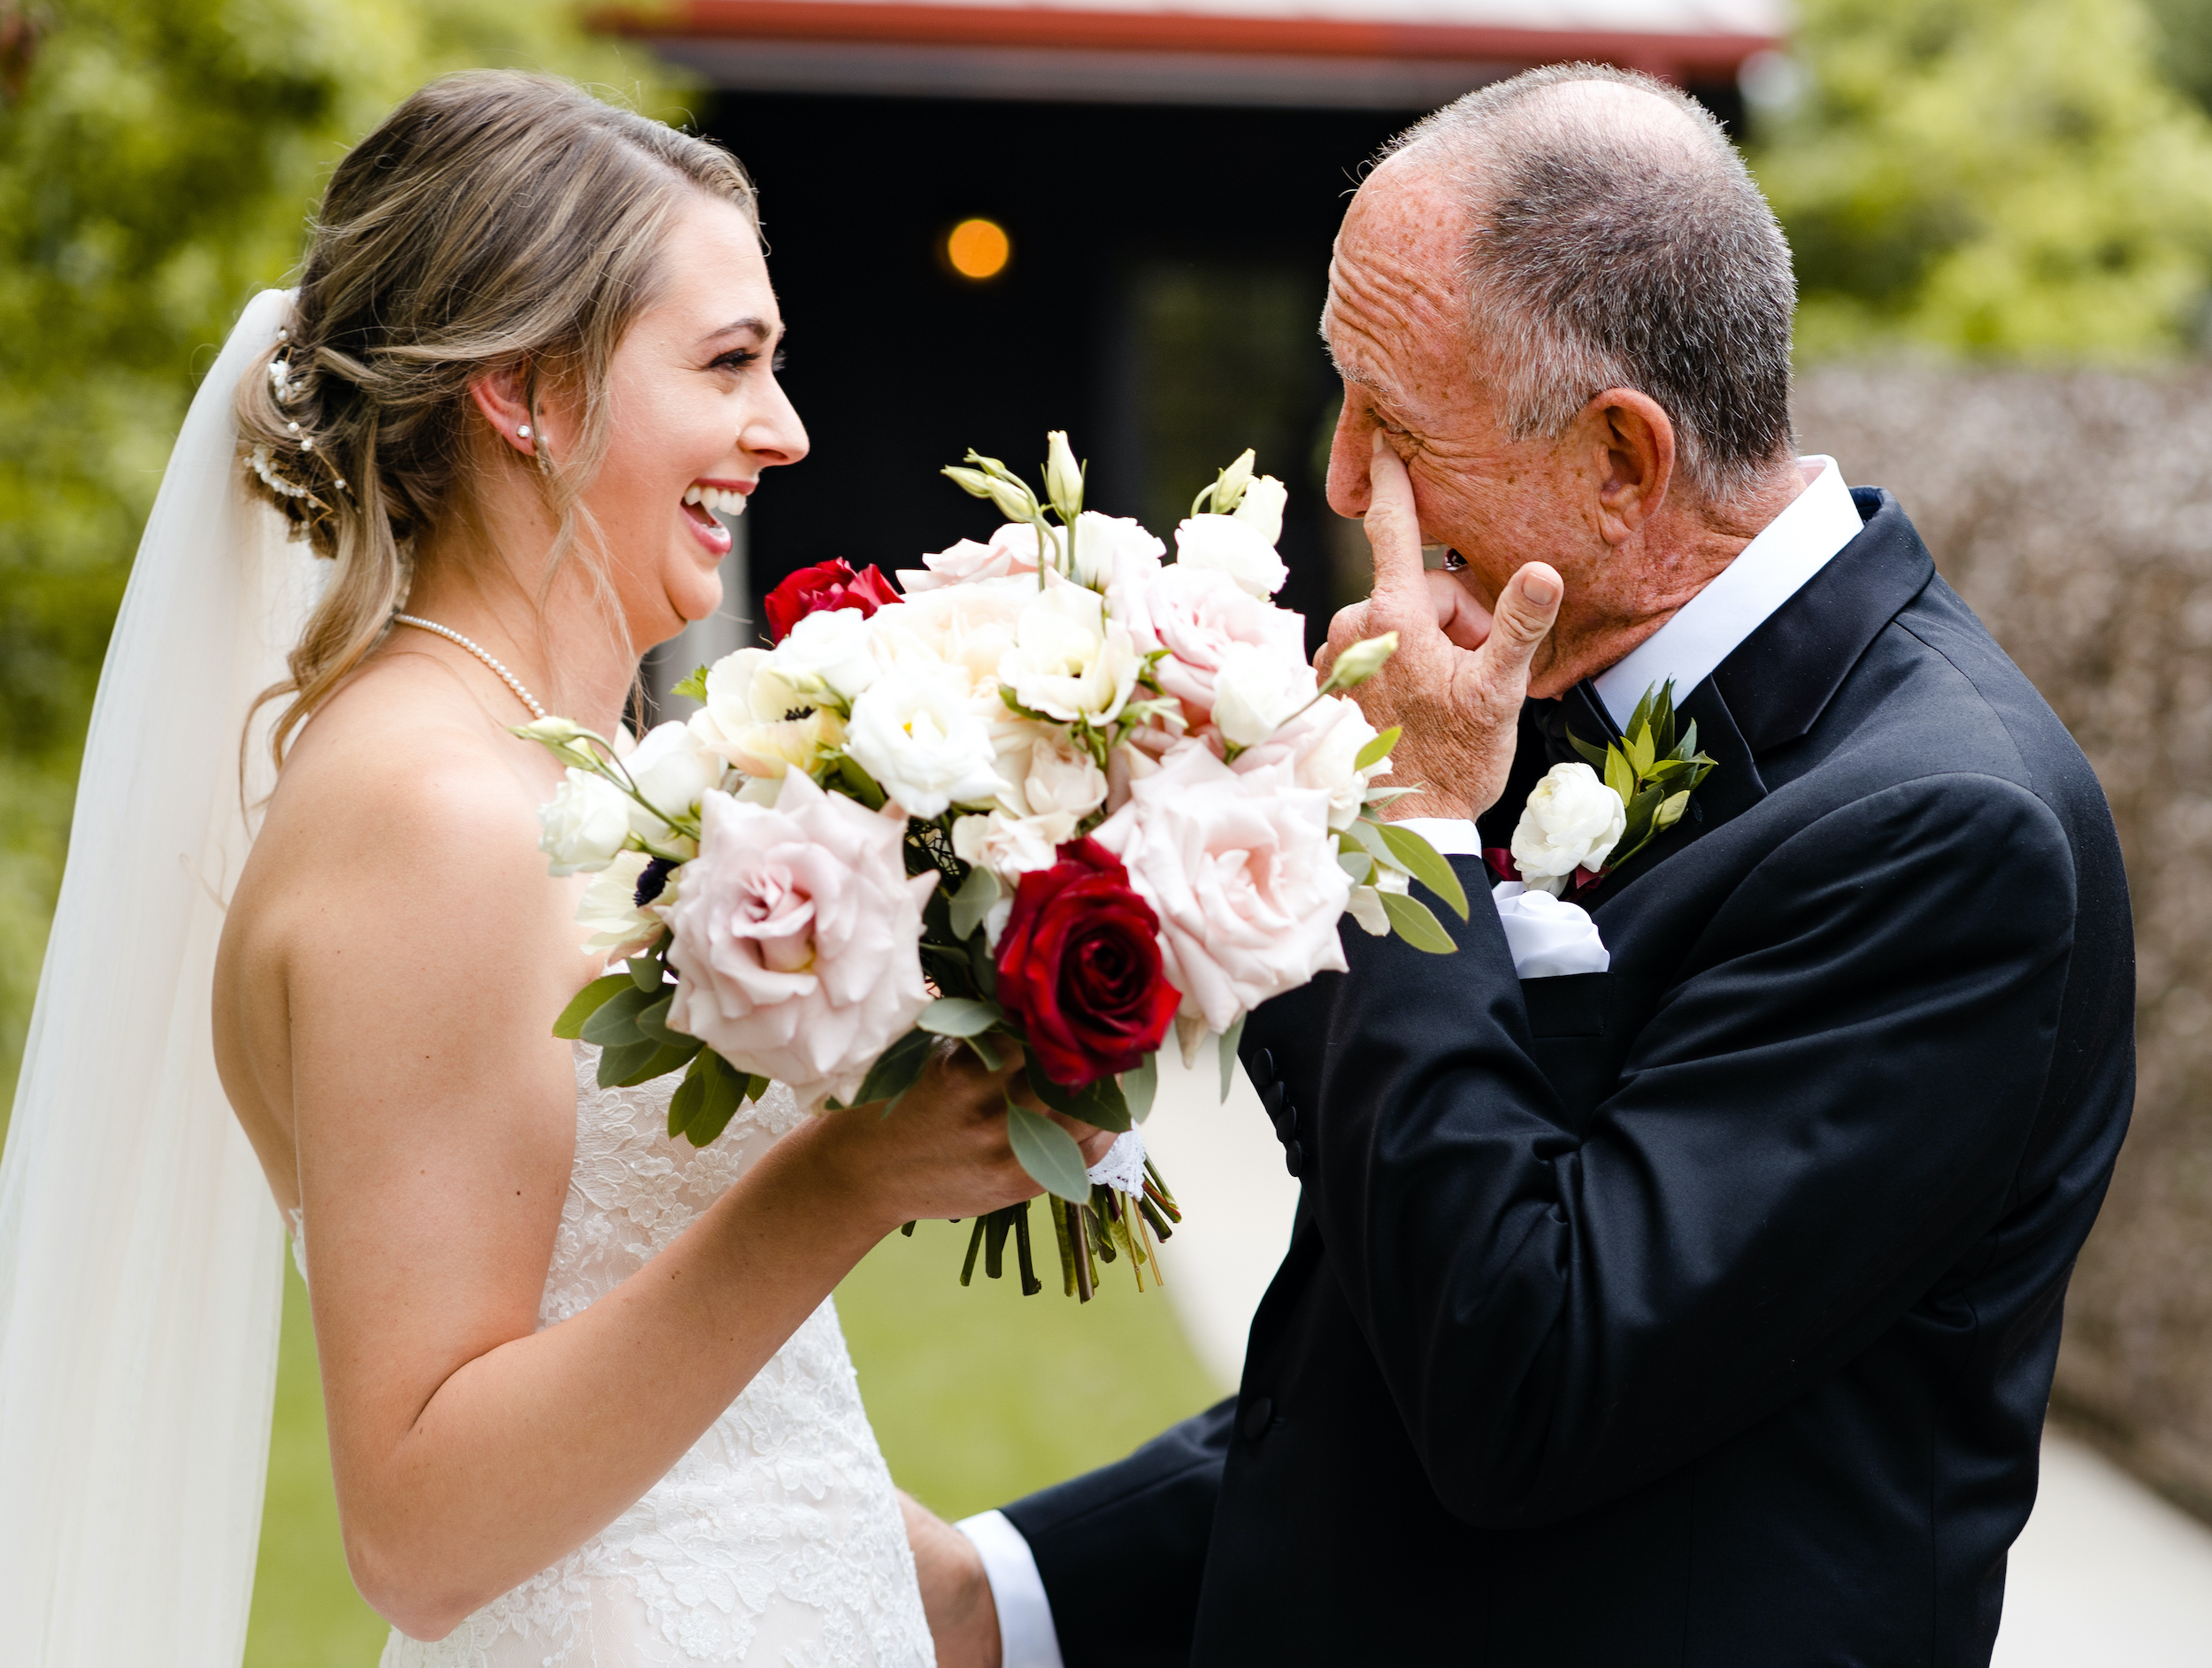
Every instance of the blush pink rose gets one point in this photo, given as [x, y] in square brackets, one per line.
[796, 938]
[1241, 870]
[1196, 614]
[1012, 550]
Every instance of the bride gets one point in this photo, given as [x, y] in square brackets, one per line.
[588, 1398]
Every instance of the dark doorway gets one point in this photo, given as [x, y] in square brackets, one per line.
[1161, 303]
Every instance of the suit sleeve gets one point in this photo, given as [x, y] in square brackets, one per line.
[1122, 1549]
[1826, 1107]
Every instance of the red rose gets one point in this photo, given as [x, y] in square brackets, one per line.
[827, 585]
[1078, 964]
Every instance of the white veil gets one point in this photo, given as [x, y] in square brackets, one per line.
[140, 1251]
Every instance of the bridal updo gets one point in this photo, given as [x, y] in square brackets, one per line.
[494, 220]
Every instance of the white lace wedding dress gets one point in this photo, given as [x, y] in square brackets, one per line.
[777, 1539]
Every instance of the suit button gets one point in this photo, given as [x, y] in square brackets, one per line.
[1272, 1097]
[1264, 1068]
[1253, 1418]
[1294, 1157]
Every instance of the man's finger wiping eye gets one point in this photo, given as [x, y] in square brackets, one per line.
[1393, 526]
[1524, 613]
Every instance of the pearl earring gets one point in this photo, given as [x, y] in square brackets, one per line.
[524, 430]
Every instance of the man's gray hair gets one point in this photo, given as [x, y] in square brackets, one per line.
[1612, 251]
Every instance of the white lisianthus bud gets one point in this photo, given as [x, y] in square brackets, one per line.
[1261, 508]
[1256, 688]
[915, 733]
[585, 823]
[1229, 489]
[1362, 661]
[1014, 501]
[1572, 820]
[1236, 547]
[1063, 476]
[565, 737]
[671, 768]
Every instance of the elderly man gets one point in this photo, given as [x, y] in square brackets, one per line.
[1698, 1307]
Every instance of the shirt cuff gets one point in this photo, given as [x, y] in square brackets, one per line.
[1452, 836]
[1025, 1635]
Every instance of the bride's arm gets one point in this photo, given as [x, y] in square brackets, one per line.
[425, 955]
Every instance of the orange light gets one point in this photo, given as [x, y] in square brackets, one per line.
[978, 249]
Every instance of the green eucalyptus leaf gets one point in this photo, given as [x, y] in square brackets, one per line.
[1641, 716]
[1049, 1153]
[1358, 864]
[652, 1021]
[690, 1095]
[1421, 860]
[615, 1023]
[756, 1085]
[859, 784]
[587, 1002]
[1139, 1085]
[1378, 749]
[723, 1092]
[973, 901]
[1686, 748]
[617, 1060]
[1413, 921]
[646, 974]
[897, 1069]
[1369, 833]
[1619, 776]
[1100, 1104]
[959, 1017]
[1640, 753]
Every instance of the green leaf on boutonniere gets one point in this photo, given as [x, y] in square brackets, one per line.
[1654, 773]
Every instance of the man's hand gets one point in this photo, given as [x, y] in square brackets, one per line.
[1454, 687]
[956, 1593]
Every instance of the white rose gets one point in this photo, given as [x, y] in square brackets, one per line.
[1572, 821]
[1012, 551]
[757, 720]
[671, 769]
[1256, 688]
[915, 733]
[1062, 778]
[585, 823]
[1263, 508]
[970, 626]
[1241, 870]
[1011, 846]
[1225, 544]
[1069, 661]
[1322, 744]
[832, 649]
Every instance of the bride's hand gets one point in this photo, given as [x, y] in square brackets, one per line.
[943, 1152]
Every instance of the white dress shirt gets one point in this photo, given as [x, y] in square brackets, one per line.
[1765, 574]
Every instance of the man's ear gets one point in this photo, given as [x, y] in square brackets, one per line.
[1632, 441]
[502, 395]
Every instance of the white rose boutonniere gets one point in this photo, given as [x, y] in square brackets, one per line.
[1578, 825]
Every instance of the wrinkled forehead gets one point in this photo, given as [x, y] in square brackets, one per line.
[1397, 293]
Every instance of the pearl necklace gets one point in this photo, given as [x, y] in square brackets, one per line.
[478, 650]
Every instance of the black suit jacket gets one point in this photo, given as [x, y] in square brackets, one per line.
[1700, 1312]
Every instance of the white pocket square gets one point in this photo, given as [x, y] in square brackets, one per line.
[1549, 936]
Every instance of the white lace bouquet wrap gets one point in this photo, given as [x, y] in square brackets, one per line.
[1056, 789]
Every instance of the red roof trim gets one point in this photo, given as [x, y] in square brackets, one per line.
[881, 24]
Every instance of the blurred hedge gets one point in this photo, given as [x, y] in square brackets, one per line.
[158, 160]
[2074, 513]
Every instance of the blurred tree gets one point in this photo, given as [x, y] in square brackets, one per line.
[1998, 177]
[2185, 46]
[159, 160]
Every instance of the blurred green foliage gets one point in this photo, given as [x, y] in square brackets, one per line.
[158, 160]
[2018, 178]
[978, 1396]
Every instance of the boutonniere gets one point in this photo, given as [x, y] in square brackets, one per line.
[1583, 821]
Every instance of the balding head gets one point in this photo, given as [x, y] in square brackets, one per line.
[1609, 236]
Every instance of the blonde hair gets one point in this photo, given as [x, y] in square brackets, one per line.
[494, 221]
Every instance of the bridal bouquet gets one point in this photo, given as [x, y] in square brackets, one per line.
[1062, 791]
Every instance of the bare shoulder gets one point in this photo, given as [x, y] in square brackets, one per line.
[395, 891]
